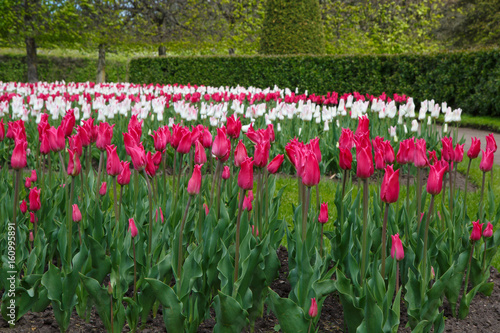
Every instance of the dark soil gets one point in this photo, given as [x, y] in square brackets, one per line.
[484, 315]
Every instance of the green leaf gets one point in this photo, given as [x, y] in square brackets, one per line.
[230, 316]
[172, 307]
[290, 316]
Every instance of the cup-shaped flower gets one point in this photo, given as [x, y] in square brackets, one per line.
[379, 160]
[448, 153]
[364, 159]
[220, 145]
[124, 176]
[389, 191]
[32, 217]
[313, 309]
[104, 135]
[27, 182]
[435, 180]
[77, 215]
[226, 173]
[103, 188]
[138, 156]
[275, 164]
[420, 154]
[389, 157]
[261, 155]
[23, 206]
[247, 204]
[56, 138]
[397, 248]
[206, 138]
[18, 160]
[245, 177]
[491, 144]
[240, 153]
[75, 143]
[346, 139]
[233, 127]
[132, 228]
[475, 148]
[200, 156]
[113, 165]
[44, 144]
[363, 125]
[487, 160]
[477, 230]
[34, 198]
[185, 143]
[194, 184]
[74, 165]
[345, 158]
[159, 139]
[310, 173]
[323, 213]
[488, 231]
[459, 153]
[314, 146]
[33, 177]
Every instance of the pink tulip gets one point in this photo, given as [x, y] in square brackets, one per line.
[275, 164]
[77, 215]
[124, 176]
[488, 231]
[491, 143]
[397, 249]
[113, 166]
[34, 198]
[389, 191]
[132, 228]
[477, 229]
[474, 149]
[200, 156]
[226, 173]
[313, 309]
[487, 160]
[323, 213]
[245, 177]
[194, 184]
[311, 173]
[102, 189]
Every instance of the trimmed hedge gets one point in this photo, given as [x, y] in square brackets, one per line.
[466, 79]
[50, 68]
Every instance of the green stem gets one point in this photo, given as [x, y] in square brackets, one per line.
[266, 200]
[481, 200]
[384, 236]
[16, 202]
[397, 276]
[136, 185]
[451, 189]
[120, 204]
[341, 222]
[99, 170]
[321, 242]
[181, 232]
[419, 194]
[318, 204]
[50, 171]
[70, 222]
[135, 272]
[468, 270]
[408, 190]
[115, 199]
[219, 180]
[237, 246]
[465, 193]
[364, 246]
[484, 254]
[150, 197]
[424, 253]
[63, 168]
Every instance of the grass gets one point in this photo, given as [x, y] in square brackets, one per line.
[486, 123]
[328, 188]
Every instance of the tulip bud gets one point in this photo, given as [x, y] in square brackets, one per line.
[220, 145]
[113, 165]
[313, 309]
[27, 182]
[323, 213]
[364, 159]
[194, 183]
[110, 288]
[33, 176]
[102, 190]
[200, 156]
[205, 206]
[397, 248]
[389, 191]
[226, 173]
[77, 215]
[475, 148]
[487, 160]
[31, 236]
[23, 206]
[488, 231]
[132, 228]
[32, 217]
[491, 143]
[245, 176]
[433, 274]
[124, 176]
[477, 229]
[240, 153]
[247, 203]
[275, 164]
[34, 198]
[255, 231]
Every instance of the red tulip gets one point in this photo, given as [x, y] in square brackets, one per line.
[487, 160]
[56, 138]
[402, 155]
[346, 139]
[42, 127]
[226, 173]
[31, 236]
[32, 217]
[152, 163]
[310, 174]
[379, 160]
[275, 164]
[389, 191]
[435, 180]
[135, 124]
[397, 249]
[240, 153]
[420, 155]
[459, 153]
[378, 144]
[252, 135]
[128, 142]
[233, 127]
[220, 145]
[113, 166]
[364, 159]
[206, 138]
[313, 309]
[194, 184]
[160, 139]
[23, 206]
[33, 176]
[345, 159]
[132, 228]
[76, 144]
[44, 144]
[185, 143]
[77, 215]
[475, 148]
[207, 211]
[477, 230]
[27, 182]
[228, 153]
[323, 213]
[245, 177]
[432, 157]
[270, 131]
[200, 156]
[389, 157]
[74, 165]
[34, 198]
[448, 152]
[255, 231]
[138, 156]
[124, 176]
[363, 125]
[18, 160]
[488, 231]
[68, 122]
[247, 204]
[491, 143]
[104, 135]
[177, 133]
[102, 190]
[314, 146]
[261, 155]
[2, 130]
[91, 129]
[84, 136]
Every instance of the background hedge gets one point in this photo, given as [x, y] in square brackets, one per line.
[469, 80]
[51, 68]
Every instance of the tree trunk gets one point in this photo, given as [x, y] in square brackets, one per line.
[231, 51]
[162, 50]
[101, 64]
[31, 59]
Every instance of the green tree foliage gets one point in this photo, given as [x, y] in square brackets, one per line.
[292, 27]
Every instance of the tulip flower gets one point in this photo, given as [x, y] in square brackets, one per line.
[435, 180]
[323, 213]
[247, 204]
[113, 166]
[255, 231]
[389, 157]
[194, 183]
[275, 164]
[205, 206]
[448, 152]
[459, 153]
[346, 139]
[270, 131]
[83, 135]
[389, 191]
[491, 143]
[135, 125]
[138, 156]
[76, 144]
[44, 144]
[474, 149]
[477, 230]
[33, 177]
[68, 122]
[206, 138]
[261, 155]
[2, 130]
[226, 173]
[124, 176]
[23, 206]
[379, 160]
[488, 231]
[363, 125]
[74, 165]
[420, 154]
[102, 189]
[220, 146]
[27, 182]
[104, 136]
[365, 160]
[233, 127]
[160, 139]
[200, 156]
[152, 163]
[77, 215]
[245, 176]
[56, 138]
[240, 153]
[313, 309]
[132, 228]
[487, 160]
[397, 249]
[34, 198]
[311, 173]
[18, 160]
[185, 143]
[31, 236]
[345, 159]
[314, 146]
